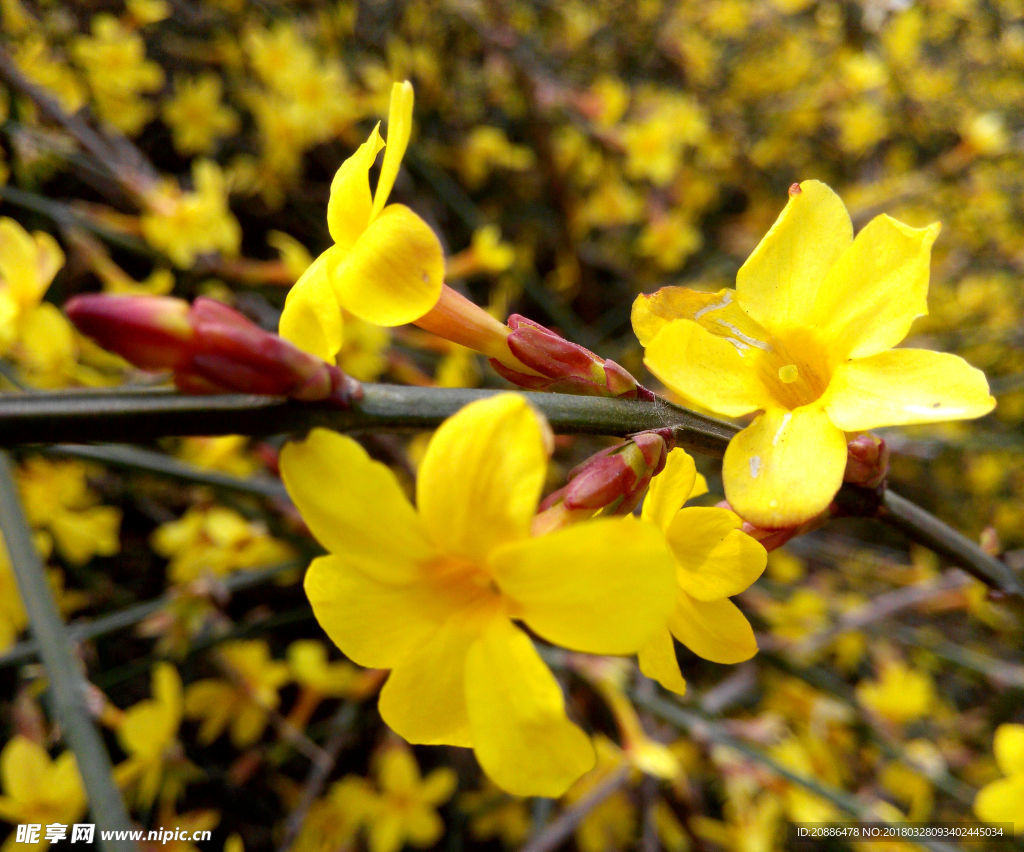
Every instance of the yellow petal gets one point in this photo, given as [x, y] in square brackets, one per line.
[714, 559]
[399, 130]
[24, 768]
[521, 735]
[778, 282]
[718, 313]
[352, 504]
[785, 467]
[397, 771]
[393, 273]
[376, 623]
[424, 699]
[482, 475]
[1009, 748]
[1000, 802]
[602, 586]
[876, 289]
[705, 369]
[670, 489]
[311, 318]
[49, 259]
[714, 630]
[658, 661]
[439, 785]
[906, 386]
[350, 205]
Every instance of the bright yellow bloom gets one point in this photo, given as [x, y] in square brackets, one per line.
[714, 560]
[806, 340]
[1001, 800]
[404, 812]
[28, 263]
[432, 593]
[386, 265]
[38, 789]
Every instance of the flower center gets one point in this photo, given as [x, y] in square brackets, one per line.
[796, 368]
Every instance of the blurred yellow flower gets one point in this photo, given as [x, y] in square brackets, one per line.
[386, 265]
[900, 694]
[714, 560]
[243, 699]
[404, 811]
[432, 593]
[196, 115]
[37, 789]
[1000, 801]
[184, 224]
[806, 340]
[58, 499]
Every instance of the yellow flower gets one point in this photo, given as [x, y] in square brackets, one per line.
[184, 224]
[714, 560]
[148, 732]
[1001, 800]
[432, 593]
[806, 340]
[196, 116]
[38, 789]
[243, 700]
[404, 812]
[386, 265]
[28, 263]
[57, 498]
[900, 694]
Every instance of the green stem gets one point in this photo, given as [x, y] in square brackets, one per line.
[68, 687]
[143, 414]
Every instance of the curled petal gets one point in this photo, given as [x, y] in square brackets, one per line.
[399, 130]
[393, 273]
[658, 661]
[670, 488]
[311, 318]
[350, 205]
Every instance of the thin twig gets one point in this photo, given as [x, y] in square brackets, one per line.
[68, 687]
[559, 829]
[339, 733]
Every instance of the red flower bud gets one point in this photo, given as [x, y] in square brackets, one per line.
[867, 461]
[563, 366]
[210, 347]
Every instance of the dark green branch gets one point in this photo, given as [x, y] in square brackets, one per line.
[68, 687]
[144, 414]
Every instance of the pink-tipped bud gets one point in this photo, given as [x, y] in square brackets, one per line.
[867, 461]
[563, 366]
[613, 480]
[152, 332]
[210, 347]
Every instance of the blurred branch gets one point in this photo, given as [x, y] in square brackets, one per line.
[708, 730]
[557, 831]
[68, 687]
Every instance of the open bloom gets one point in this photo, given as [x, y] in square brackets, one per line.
[386, 265]
[714, 559]
[999, 801]
[432, 593]
[806, 340]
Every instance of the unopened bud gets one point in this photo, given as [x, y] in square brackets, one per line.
[210, 347]
[612, 481]
[563, 366]
[867, 461]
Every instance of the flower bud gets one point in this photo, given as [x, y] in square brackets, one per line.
[563, 366]
[210, 347]
[867, 461]
[612, 481]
